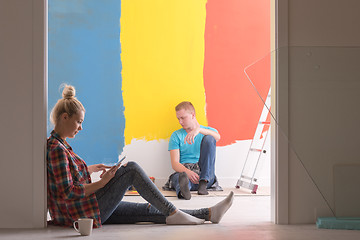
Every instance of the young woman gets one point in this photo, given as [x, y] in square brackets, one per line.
[72, 195]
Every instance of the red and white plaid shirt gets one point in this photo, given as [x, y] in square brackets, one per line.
[66, 174]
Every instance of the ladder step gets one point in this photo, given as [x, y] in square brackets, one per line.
[255, 149]
[245, 177]
[248, 178]
[265, 123]
[247, 185]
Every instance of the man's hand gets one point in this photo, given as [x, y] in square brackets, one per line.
[97, 168]
[193, 176]
[190, 137]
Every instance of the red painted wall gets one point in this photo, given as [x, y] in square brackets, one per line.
[237, 33]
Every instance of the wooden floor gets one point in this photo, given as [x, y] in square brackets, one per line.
[248, 218]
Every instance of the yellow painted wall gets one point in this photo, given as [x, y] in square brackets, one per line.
[162, 64]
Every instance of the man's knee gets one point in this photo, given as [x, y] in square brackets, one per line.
[208, 140]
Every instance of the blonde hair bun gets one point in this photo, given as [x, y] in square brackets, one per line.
[68, 104]
[68, 92]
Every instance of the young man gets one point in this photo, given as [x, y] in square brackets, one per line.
[192, 152]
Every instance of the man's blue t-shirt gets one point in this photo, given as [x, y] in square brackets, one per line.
[189, 153]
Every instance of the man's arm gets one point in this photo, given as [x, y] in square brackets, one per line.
[190, 137]
[178, 167]
[205, 131]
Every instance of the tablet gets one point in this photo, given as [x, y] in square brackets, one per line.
[119, 162]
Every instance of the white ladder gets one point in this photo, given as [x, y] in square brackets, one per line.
[256, 154]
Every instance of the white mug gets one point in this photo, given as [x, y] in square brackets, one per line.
[85, 226]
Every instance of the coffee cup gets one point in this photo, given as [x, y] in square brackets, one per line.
[85, 226]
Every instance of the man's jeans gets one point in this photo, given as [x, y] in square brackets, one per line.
[206, 163]
[113, 210]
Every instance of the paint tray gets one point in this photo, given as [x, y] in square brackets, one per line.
[338, 223]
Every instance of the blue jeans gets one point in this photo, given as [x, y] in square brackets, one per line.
[113, 210]
[206, 164]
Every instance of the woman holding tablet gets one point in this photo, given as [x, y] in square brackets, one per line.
[72, 195]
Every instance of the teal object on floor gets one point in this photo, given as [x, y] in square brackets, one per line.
[338, 223]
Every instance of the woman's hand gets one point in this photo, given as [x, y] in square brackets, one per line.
[106, 176]
[97, 168]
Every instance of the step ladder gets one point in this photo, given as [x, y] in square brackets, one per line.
[257, 152]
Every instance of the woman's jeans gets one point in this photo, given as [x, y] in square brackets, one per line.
[206, 164]
[113, 210]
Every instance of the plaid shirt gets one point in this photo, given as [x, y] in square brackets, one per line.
[66, 174]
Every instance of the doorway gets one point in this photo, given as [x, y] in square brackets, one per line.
[108, 84]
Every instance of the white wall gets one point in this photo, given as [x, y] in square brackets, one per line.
[22, 104]
[331, 23]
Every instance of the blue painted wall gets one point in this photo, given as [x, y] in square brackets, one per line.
[84, 51]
